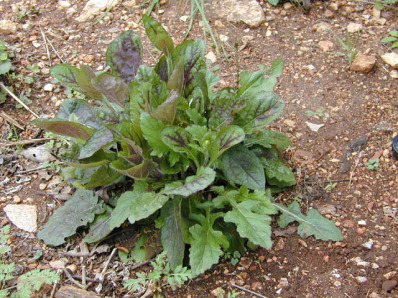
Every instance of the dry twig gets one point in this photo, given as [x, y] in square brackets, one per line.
[248, 291]
[45, 44]
[18, 100]
[11, 120]
[24, 142]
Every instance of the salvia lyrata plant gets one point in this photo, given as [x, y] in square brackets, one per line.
[197, 162]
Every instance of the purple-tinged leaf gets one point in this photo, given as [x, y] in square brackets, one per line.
[138, 172]
[158, 35]
[98, 140]
[261, 110]
[176, 80]
[176, 138]
[81, 110]
[124, 55]
[167, 110]
[192, 184]
[226, 138]
[83, 79]
[193, 57]
[65, 128]
[132, 136]
[162, 69]
[66, 74]
[113, 88]
[243, 167]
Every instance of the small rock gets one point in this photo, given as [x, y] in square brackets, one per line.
[289, 122]
[334, 5]
[249, 12]
[320, 27]
[212, 57]
[363, 63]
[283, 283]
[184, 18]
[388, 285]
[17, 200]
[374, 295]
[390, 275]
[394, 74]
[48, 87]
[224, 38]
[58, 264]
[94, 7]
[129, 4]
[287, 5]
[36, 44]
[314, 127]
[326, 45]
[279, 245]
[329, 14]
[368, 244]
[361, 279]
[72, 268]
[362, 223]
[391, 59]
[23, 216]
[354, 27]
[64, 4]
[7, 27]
[268, 33]
[217, 292]
[88, 58]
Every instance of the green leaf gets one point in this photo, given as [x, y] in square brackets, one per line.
[78, 211]
[79, 109]
[172, 232]
[203, 178]
[67, 75]
[206, 244]
[136, 205]
[388, 39]
[158, 35]
[102, 177]
[65, 128]
[176, 138]
[113, 88]
[140, 171]
[253, 226]
[151, 129]
[276, 69]
[5, 67]
[124, 55]
[100, 227]
[34, 279]
[312, 224]
[394, 33]
[267, 138]
[276, 171]
[97, 140]
[243, 167]
[226, 138]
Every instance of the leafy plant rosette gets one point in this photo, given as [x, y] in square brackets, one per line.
[198, 162]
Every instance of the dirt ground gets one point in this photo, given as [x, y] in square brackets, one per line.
[358, 111]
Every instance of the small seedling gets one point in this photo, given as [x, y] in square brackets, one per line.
[380, 4]
[392, 38]
[318, 113]
[330, 185]
[373, 164]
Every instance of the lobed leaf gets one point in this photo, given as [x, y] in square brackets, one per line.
[205, 245]
[78, 211]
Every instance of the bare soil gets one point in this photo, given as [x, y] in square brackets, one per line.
[350, 105]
